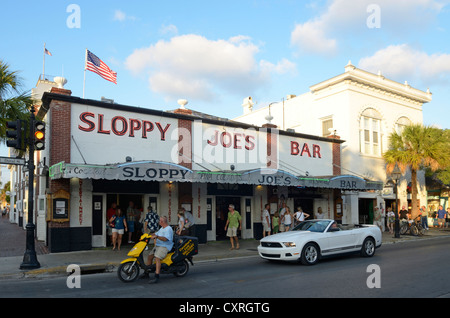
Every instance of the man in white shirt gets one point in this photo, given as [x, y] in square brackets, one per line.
[266, 220]
[163, 244]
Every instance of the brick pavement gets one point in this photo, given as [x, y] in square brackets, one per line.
[13, 240]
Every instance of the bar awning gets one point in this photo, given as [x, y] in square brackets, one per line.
[164, 171]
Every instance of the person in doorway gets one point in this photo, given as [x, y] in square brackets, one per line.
[287, 219]
[266, 220]
[131, 216]
[233, 222]
[190, 223]
[151, 221]
[109, 214]
[119, 226]
[300, 216]
[319, 214]
[163, 239]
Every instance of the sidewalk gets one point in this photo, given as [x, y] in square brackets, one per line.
[12, 248]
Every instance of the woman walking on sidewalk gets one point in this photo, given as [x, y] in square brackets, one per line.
[118, 224]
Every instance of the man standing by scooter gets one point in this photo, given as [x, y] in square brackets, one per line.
[163, 244]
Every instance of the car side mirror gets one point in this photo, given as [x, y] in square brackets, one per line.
[334, 229]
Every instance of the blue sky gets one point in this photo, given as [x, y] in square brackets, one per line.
[215, 53]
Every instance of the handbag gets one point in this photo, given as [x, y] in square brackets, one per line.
[112, 223]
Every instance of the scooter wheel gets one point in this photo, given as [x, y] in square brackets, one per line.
[128, 272]
[182, 269]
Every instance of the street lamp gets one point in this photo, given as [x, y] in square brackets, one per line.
[396, 174]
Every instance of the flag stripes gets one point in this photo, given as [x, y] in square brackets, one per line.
[96, 65]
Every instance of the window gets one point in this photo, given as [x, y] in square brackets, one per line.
[401, 123]
[326, 125]
[370, 127]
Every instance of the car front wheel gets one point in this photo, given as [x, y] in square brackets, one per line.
[310, 254]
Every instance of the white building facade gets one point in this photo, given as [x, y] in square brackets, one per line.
[363, 109]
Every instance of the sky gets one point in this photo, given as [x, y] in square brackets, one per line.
[216, 53]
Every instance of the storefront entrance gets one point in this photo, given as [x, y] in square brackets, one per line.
[222, 203]
[365, 208]
[123, 201]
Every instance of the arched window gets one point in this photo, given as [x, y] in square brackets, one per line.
[370, 132]
[401, 123]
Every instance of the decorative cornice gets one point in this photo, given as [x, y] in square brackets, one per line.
[374, 82]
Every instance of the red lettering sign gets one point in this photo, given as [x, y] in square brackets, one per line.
[120, 126]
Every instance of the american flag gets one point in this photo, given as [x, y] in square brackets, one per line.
[48, 52]
[94, 64]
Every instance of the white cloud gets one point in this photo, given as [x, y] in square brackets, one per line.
[192, 66]
[349, 17]
[168, 29]
[122, 16]
[310, 37]
[403, 62]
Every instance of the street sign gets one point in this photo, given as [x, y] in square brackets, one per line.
[12, 161]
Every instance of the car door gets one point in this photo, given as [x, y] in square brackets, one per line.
[340, 241]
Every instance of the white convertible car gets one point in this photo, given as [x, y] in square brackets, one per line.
[313, 239]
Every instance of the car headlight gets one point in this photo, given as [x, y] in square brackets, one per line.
[289, 244]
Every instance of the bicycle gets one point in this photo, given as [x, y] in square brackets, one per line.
[417, 227]
[414, 227]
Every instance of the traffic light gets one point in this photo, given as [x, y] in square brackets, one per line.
[15, 133]
[39, 135]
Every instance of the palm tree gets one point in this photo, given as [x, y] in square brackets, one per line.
[13, 103]
[417, 147]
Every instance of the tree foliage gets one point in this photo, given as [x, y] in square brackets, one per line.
[14, 104]
[417, 147]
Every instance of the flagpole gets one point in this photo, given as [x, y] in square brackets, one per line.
[43, 65]
[84, 81]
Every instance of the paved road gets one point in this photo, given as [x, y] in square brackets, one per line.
[410, 269]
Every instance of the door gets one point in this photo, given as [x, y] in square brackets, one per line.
[222, 203]
[98, 220]
[340, 241]
[246, 214]
[210, 219]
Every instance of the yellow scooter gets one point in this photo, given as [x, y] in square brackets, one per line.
[184, 248]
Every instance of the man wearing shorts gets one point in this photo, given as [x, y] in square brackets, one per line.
[163, 244]
[233, 222]
[441, 217]
[266, 220]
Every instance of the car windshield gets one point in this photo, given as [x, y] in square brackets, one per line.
[313, 226]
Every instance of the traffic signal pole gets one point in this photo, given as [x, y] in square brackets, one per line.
[29, 258]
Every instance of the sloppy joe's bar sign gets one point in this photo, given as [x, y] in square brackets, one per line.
[105, 136]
